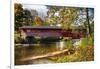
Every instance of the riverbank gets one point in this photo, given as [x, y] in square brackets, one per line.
[81, 54]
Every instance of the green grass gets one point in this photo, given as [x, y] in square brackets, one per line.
[89, 41]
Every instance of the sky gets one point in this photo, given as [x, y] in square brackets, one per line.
[41, 9]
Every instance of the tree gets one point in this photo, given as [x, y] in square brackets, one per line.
[51, 18]
[88, 22]
[18, 12]
[38, 21]
[27, 17]
[23, 17]
[62, 15]
[89, 17]
[85, 19]
[68, 17]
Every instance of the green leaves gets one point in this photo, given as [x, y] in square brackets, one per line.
[66, 16]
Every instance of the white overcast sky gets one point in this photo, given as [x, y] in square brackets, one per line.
[41, 9]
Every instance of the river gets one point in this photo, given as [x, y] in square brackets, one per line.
[24, 51]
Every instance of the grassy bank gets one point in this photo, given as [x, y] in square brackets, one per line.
[84, 52]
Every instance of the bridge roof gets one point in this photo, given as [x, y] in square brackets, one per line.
[40, 27]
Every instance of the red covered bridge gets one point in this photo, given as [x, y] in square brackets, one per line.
[50, 31]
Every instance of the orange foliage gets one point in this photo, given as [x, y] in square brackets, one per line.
[38, 21]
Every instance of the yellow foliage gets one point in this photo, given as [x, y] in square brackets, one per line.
[38, 21]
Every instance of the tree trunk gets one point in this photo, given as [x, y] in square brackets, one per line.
[88, 22]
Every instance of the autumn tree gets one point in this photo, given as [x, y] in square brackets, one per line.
[62, 15]
[23, 17]
[18, 12]
[51, 19]
[68, 17]
[38, 21]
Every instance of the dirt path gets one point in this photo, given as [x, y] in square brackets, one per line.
[46, 55]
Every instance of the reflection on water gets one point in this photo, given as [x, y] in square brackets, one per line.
[24, 51]
[60, 45]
